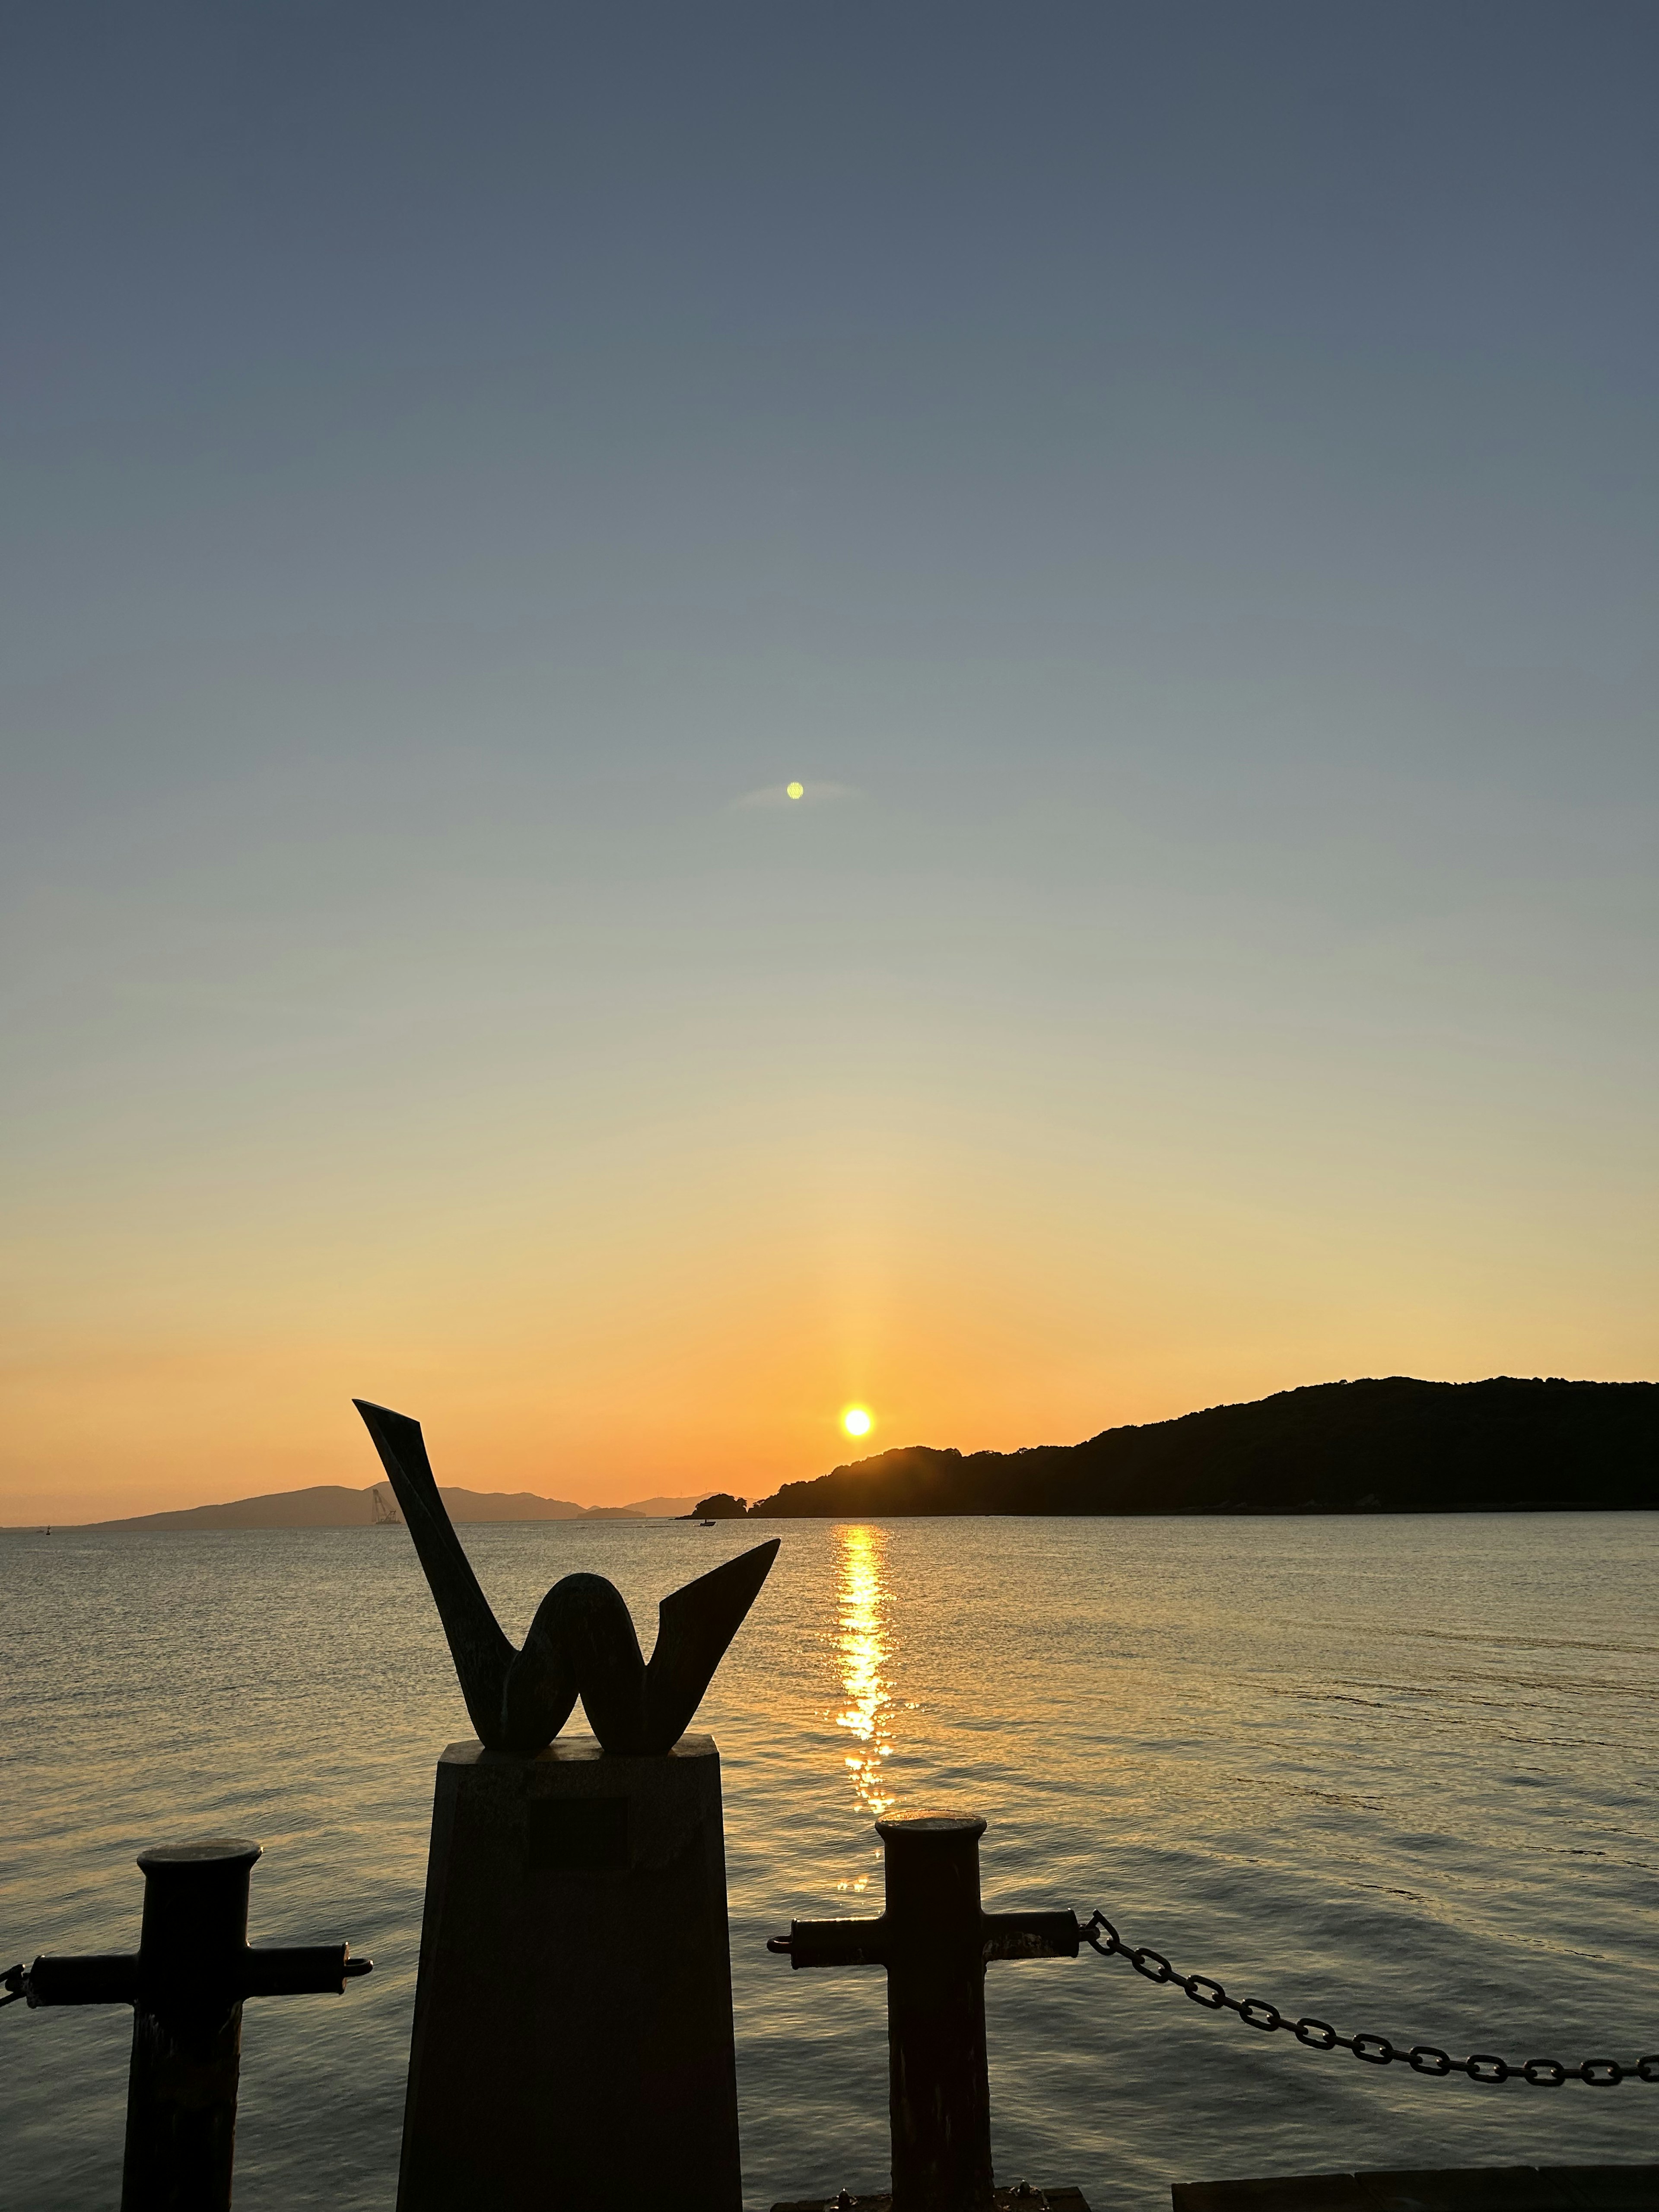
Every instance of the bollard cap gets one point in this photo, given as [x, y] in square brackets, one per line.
[930, 1824]
[202, 1850]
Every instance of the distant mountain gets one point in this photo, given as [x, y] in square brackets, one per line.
[1390, 1446]
[329, 1506]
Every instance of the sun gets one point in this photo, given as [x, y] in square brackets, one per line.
[856, 1421]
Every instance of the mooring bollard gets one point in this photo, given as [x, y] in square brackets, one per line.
[186, 1986]
[935, 1943]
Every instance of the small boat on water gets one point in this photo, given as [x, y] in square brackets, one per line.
[705, 1524]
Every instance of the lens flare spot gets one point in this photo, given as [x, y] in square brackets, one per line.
[794, 790]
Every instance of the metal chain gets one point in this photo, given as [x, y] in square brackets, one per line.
[1374, 2050]
[14, 1982]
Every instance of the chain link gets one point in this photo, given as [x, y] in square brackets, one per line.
[1373, 2050]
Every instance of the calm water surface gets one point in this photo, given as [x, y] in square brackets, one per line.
[1397, 1773]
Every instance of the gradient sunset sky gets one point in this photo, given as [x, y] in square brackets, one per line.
[1177, 484]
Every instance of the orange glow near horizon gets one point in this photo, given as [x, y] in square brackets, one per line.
[197, 1333]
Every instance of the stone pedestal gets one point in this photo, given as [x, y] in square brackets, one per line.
[573, 2039]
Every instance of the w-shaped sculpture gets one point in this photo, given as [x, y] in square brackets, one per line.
[581, 1642]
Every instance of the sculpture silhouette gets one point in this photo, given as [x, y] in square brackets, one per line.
[581, 1642]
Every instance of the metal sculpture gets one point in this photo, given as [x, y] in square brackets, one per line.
[582, 1642]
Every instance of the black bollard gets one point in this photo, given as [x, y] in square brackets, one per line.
[186, 1986]
[935, 1943]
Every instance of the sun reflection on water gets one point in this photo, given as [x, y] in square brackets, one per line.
[863, 1650]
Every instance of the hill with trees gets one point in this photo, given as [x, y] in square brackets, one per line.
[1393, 1445]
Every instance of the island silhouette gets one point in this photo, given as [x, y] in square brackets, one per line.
[1390, 1445]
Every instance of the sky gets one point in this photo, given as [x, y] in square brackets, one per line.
[1175, 483]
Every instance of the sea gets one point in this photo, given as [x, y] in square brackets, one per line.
[1395, 1773]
